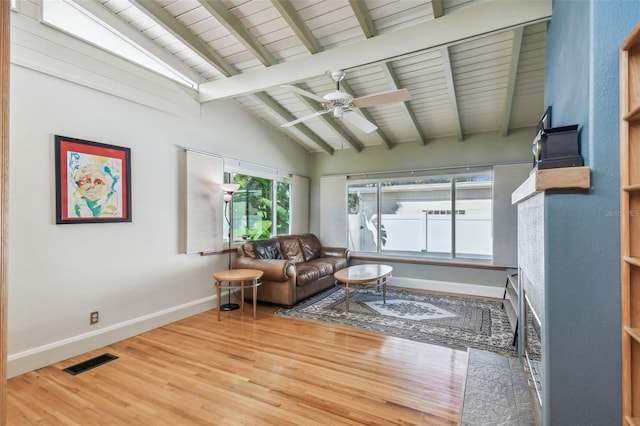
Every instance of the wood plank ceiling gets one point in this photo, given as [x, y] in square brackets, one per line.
[471, 66]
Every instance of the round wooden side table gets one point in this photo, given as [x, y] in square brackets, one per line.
[246, 278]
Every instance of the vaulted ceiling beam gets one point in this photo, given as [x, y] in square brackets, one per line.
[331, 122]
[237, 29]
[511, 85]
[290, 14]
[364, 18]
[287, 116]
[486, 17]
[309, 40]
[392, 78]
[169, 23]
[451, 90]
[219, 11]
[385, 140]
[105, 15]
[438, 8]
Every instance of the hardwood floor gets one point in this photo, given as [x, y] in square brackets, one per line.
[273, 371]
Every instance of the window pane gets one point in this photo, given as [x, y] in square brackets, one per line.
[419, 217]
[416, 217]
[363, 209]
[474, 233]
[252, 208]
[283, 209]
[70, 17]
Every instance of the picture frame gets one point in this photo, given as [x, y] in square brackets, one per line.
[93, 181]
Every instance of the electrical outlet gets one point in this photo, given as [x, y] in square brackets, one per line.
[94, 317]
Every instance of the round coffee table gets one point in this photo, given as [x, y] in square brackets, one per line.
[246, 278]
[373, 275]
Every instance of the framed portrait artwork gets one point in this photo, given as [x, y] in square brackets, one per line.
[93, 182]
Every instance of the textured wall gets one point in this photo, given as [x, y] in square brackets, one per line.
[531, 256]
[582, 347]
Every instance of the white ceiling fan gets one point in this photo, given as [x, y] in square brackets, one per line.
[343, 105]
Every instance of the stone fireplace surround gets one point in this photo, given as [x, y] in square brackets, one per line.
[530, 201]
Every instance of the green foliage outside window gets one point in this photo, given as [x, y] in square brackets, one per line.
[253, 208]
[283, 211]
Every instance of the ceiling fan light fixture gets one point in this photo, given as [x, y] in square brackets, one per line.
[337, 112]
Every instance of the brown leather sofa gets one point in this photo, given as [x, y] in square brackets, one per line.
[294, 266]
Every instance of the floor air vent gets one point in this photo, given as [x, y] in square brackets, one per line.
[89, 364]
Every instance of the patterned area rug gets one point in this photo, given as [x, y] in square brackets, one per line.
[452, 321]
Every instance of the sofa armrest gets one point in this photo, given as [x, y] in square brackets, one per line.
[273, 269]
[334, 252]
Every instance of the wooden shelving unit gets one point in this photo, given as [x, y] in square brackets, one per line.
[630, 224]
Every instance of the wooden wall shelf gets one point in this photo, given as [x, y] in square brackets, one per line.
[560, 178]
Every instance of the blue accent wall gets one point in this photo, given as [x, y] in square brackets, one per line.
[582, 343]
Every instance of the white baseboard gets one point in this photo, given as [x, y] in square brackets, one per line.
[447, 287]
[42, 356]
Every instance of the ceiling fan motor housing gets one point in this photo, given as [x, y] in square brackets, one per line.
[342, 104]
[339, 101]
[338, 97]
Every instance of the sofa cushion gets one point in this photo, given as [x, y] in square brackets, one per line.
[306, 274]
[249, 249]
[324, 268]
[267, 249]
[290, 248]
[336, 262]
[310, 246]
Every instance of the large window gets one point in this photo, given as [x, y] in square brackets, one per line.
[443, 216]
[261, 207]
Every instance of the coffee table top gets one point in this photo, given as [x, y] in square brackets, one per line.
[237, 275]
[360, 274]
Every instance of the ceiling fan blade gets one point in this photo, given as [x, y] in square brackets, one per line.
[401, 95]
[304, 93]
[304, 117]
[359, 121]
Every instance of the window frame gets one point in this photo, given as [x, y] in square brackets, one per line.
[275, 179]
[117, 43]
[455, 177]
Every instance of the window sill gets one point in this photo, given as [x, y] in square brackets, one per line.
[224, 250]
[456, 263]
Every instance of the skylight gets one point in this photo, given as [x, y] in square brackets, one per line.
[70, 17]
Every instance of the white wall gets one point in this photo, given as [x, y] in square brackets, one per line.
[506, 179]
[133, 273]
